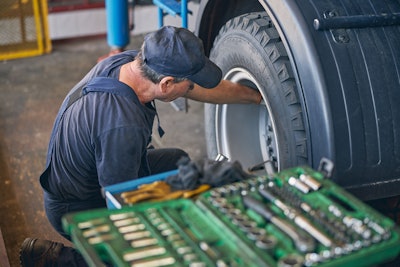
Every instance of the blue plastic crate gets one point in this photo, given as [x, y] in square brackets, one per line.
[110, 191]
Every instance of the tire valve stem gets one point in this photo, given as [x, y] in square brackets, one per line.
[259, 166]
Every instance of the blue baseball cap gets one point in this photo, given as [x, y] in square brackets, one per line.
[179, 53]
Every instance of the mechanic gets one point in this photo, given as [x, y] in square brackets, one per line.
[102, 132]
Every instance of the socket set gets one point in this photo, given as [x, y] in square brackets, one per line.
[295, 218]
[171, 233]
[300, 218]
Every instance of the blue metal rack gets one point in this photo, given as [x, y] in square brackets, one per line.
[173, 8]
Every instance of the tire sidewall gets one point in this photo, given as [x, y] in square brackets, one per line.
[237, 47]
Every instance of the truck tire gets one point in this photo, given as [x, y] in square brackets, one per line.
[249, 50]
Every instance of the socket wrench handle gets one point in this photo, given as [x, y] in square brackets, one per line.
[302, 241]
[297, 218]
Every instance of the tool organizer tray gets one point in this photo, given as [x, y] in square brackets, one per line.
[296, 218]
[172, 233]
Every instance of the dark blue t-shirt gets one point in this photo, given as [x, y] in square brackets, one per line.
[101, 138]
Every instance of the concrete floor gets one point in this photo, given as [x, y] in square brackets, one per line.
[31, 91]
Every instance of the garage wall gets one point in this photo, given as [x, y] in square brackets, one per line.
[87, 22]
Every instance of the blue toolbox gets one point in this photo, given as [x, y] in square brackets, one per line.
[296, 217]
[112, 192]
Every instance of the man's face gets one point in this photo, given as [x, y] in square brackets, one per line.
[178, 89]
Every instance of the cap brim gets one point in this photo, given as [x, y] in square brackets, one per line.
[209, 76]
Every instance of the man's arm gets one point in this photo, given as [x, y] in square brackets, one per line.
[226, 92]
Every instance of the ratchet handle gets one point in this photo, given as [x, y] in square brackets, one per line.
[268, 195]
[302, 241]
[257, 206]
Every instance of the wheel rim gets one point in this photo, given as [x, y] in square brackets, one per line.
[247, 132]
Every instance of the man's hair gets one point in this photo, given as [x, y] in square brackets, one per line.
[149, 73]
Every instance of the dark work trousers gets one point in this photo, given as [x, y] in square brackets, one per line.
[160, 160]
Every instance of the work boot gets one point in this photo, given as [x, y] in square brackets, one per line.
[37, 252]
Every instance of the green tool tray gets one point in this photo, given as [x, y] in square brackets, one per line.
[219, 229]
[177, 231]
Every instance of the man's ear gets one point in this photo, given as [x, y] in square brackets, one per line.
[166, 83]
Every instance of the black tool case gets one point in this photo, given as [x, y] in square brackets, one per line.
[296, 218]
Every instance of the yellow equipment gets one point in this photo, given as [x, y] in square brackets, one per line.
[23, 29]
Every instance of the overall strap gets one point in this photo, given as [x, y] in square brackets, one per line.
[74, 97]
[97, 84]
